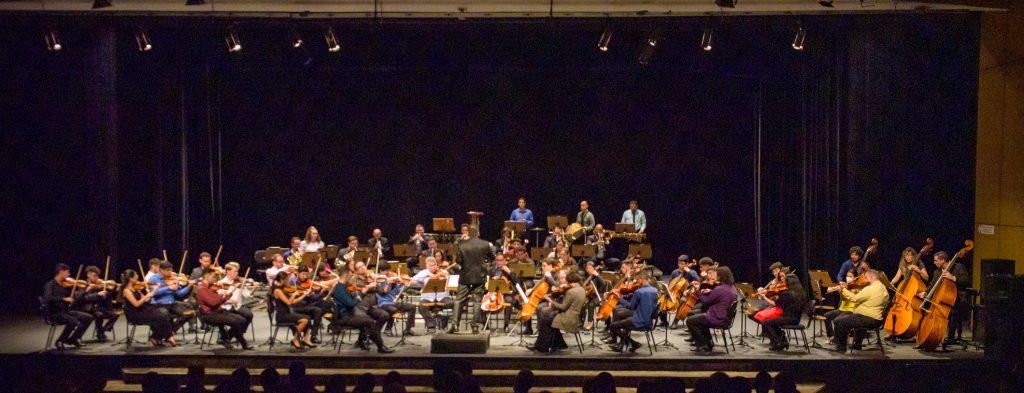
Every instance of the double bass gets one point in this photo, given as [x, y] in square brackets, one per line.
[904, 316]
[941, 299]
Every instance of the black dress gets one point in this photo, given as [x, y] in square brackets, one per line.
[158, 320]
[283, 312]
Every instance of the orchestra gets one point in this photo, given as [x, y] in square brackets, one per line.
[562, 294]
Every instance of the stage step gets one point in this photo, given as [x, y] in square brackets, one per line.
[486, 377]
[119, 386]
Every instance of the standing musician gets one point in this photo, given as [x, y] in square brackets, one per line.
[716, 302]
[312, 304]
[312, 242]
[790, 299]
[585, 217]
[554, 238]
[635, 216]
[867, 312]
[169, 294]
[421, 241]
[431, 302]
[852, 264]
[57, 294]
[472, 254]
[643, 304]
[236, 298]
[560, 317]
[391, 285]
[277, 266]
[500, 271]
[281, 302]
[138, 310]
[910, 264]
[957, 273]
[380, 243]
[522, 214]
[348, 312]
[599, 285]
[212, 312]
[98, 302]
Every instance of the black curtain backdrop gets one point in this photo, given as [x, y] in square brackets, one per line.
[749, 154]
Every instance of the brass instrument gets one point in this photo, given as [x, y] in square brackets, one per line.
[633, 237]
[295, 258]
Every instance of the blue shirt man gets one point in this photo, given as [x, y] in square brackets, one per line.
[643, 302]
[856, 253]
[522, 214]
[163, 293]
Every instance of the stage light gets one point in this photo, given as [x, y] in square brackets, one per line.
[142, 40]
[647, 50]
[101, 4]
[827, 4]
[726, 3]
[195, 2]
[296, 38]
[231, 39]
[798, 40]
[606, 38]
[332, 40]
[52, 37]
[706, 39]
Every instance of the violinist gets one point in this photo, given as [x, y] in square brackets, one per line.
[237, 290]
[705, 265]
[347, 312]
[560, 317]
[138, 310]
[98, 301]
[281, 303]
[845, 305]
[642, 305]
[910, 264]
[767, 294]
[867, 312]
[57, 294]
[958, 274]
[790, 300]
[390, 287]
[154, 269]
[716, 304]
[212, 312]
[277, 266]
[205, 263]
[367, 291]
[597, 284]
[169, 293]
[853, 264]
[431, 302]
[312, 304]
[501, 271]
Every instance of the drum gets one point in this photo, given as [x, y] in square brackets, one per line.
[574, 232]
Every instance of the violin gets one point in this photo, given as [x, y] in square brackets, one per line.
[139, 286]
[775, 287]
[71, 282]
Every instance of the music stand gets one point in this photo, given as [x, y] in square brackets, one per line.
[405, 250]
[272, 251]
[539, 253]
[643, 249]
[625, 228]
[361, 255]
[402, 267]
[444, 225]
[583, 250]
[499, 286]
[516, 226]
[557, 221]
[748, 292]
[663, 289]
[611, 277]
[309, 258]
[523, 270]
[448, 248]
[819, 279]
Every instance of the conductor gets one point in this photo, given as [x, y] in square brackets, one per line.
[473, 253]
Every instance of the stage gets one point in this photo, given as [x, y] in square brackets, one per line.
[22, 339]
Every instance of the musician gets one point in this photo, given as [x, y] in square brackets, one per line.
[472, 254]
[312, 242]
[59, 302]
[378, 241]
[463, 233]
[766, 309]
[312, 304]
[717, 302]
[154, 268]
[845, 305]
[236, 301]
[621, 312]
[791, 302]
[603, 254]
[204, 264]
[853, 264]
[568, 262]
[388, 299]
[169, 294]
[349, 253]
[420, 240]
[634, 216]
[277, 266]
[521, 256]
[643, 303]
[560, 317]
[910, 264]
[552, 240]
[705, 265]
[347, 312]
[138, 310]
[212, 312]
[547, 268]
[282, 302]
[429, 299]
[867, 312]
[690, 275]
[600, 285]
[498, 272]
[585, 217]
[293, 248]
[522, 214]
[958, 274]
[98, 302]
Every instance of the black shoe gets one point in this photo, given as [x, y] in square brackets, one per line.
[362, 345]
[609, 340]
[950, 342]
[316, 340]
[77, 343]
[531, 347]
[476, 329]
[101, 338]
[245, 345]
[616, 348]
[857, 347]
[59, 345]
[383, 349]
[227, 344]
[453, 330]
[701, 349]
[634, 345]
[837, 348]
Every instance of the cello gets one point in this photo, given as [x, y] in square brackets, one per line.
[611, 298]
[904, 316]
[536, 296]
[941, 298]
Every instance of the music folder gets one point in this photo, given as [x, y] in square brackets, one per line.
[558, 221]
[643, 249]
[627, 228]
[584, 250]
[444, 224]
[499, 286]
[527, 270]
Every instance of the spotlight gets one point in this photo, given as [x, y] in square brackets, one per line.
[332, 40]
[142, 40]
[798, 40]
[231, 39]
[195, 2]
[647, 50]
[726, 3]
[706, 39]
[100, 4]
[606, 38]
[296, 38]
[52, 40]
[827, 4]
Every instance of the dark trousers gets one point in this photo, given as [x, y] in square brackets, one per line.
[236, 324]
[315, 313]
[621, 329]
[368, 327]
[75, 324]
[104, 319]
[408, 309]
[850, 321]
[161, 327]
[176, 310]
[547, 336]
[506, 310]
[429, 308]
[830, 318]
[241, 311]
[772, 328]
[474, 290]
[700, 330]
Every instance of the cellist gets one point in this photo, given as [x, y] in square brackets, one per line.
[501, 271]
[958, 274]
[621, 311]
[683, 270]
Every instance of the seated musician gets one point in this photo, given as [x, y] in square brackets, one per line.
[910, 264]
[548, 275]
[559, 247]
[431, 249]
[154, 269]
[282, 297]
[602, 254]
[421, 241]
[560, 317]
[521, 256]
[205, 263]
[643, 303]
[277, 266]
[236, 297]
[957, 273]
[57, 294]
[717, 301]
[379, 242]
[363, 278]
[98, 302]
[312, 304]
[170, 294]
[600, 285]
[138, 310]
[498, 272]
[391, 299]
[348, 313]
[349, 253]
[764, 304]
[845, 305]
[791, 302]
[431, 303]
[705, 265]
[212, 312]
[684, 270]
[294, 247]
[553, 238]
[867, 312]
[621, 312]
[565, 260]
[312, 241]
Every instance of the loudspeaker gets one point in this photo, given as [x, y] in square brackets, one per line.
[1002, 333]
[460, 343]
[997, 289]
[993, 267]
